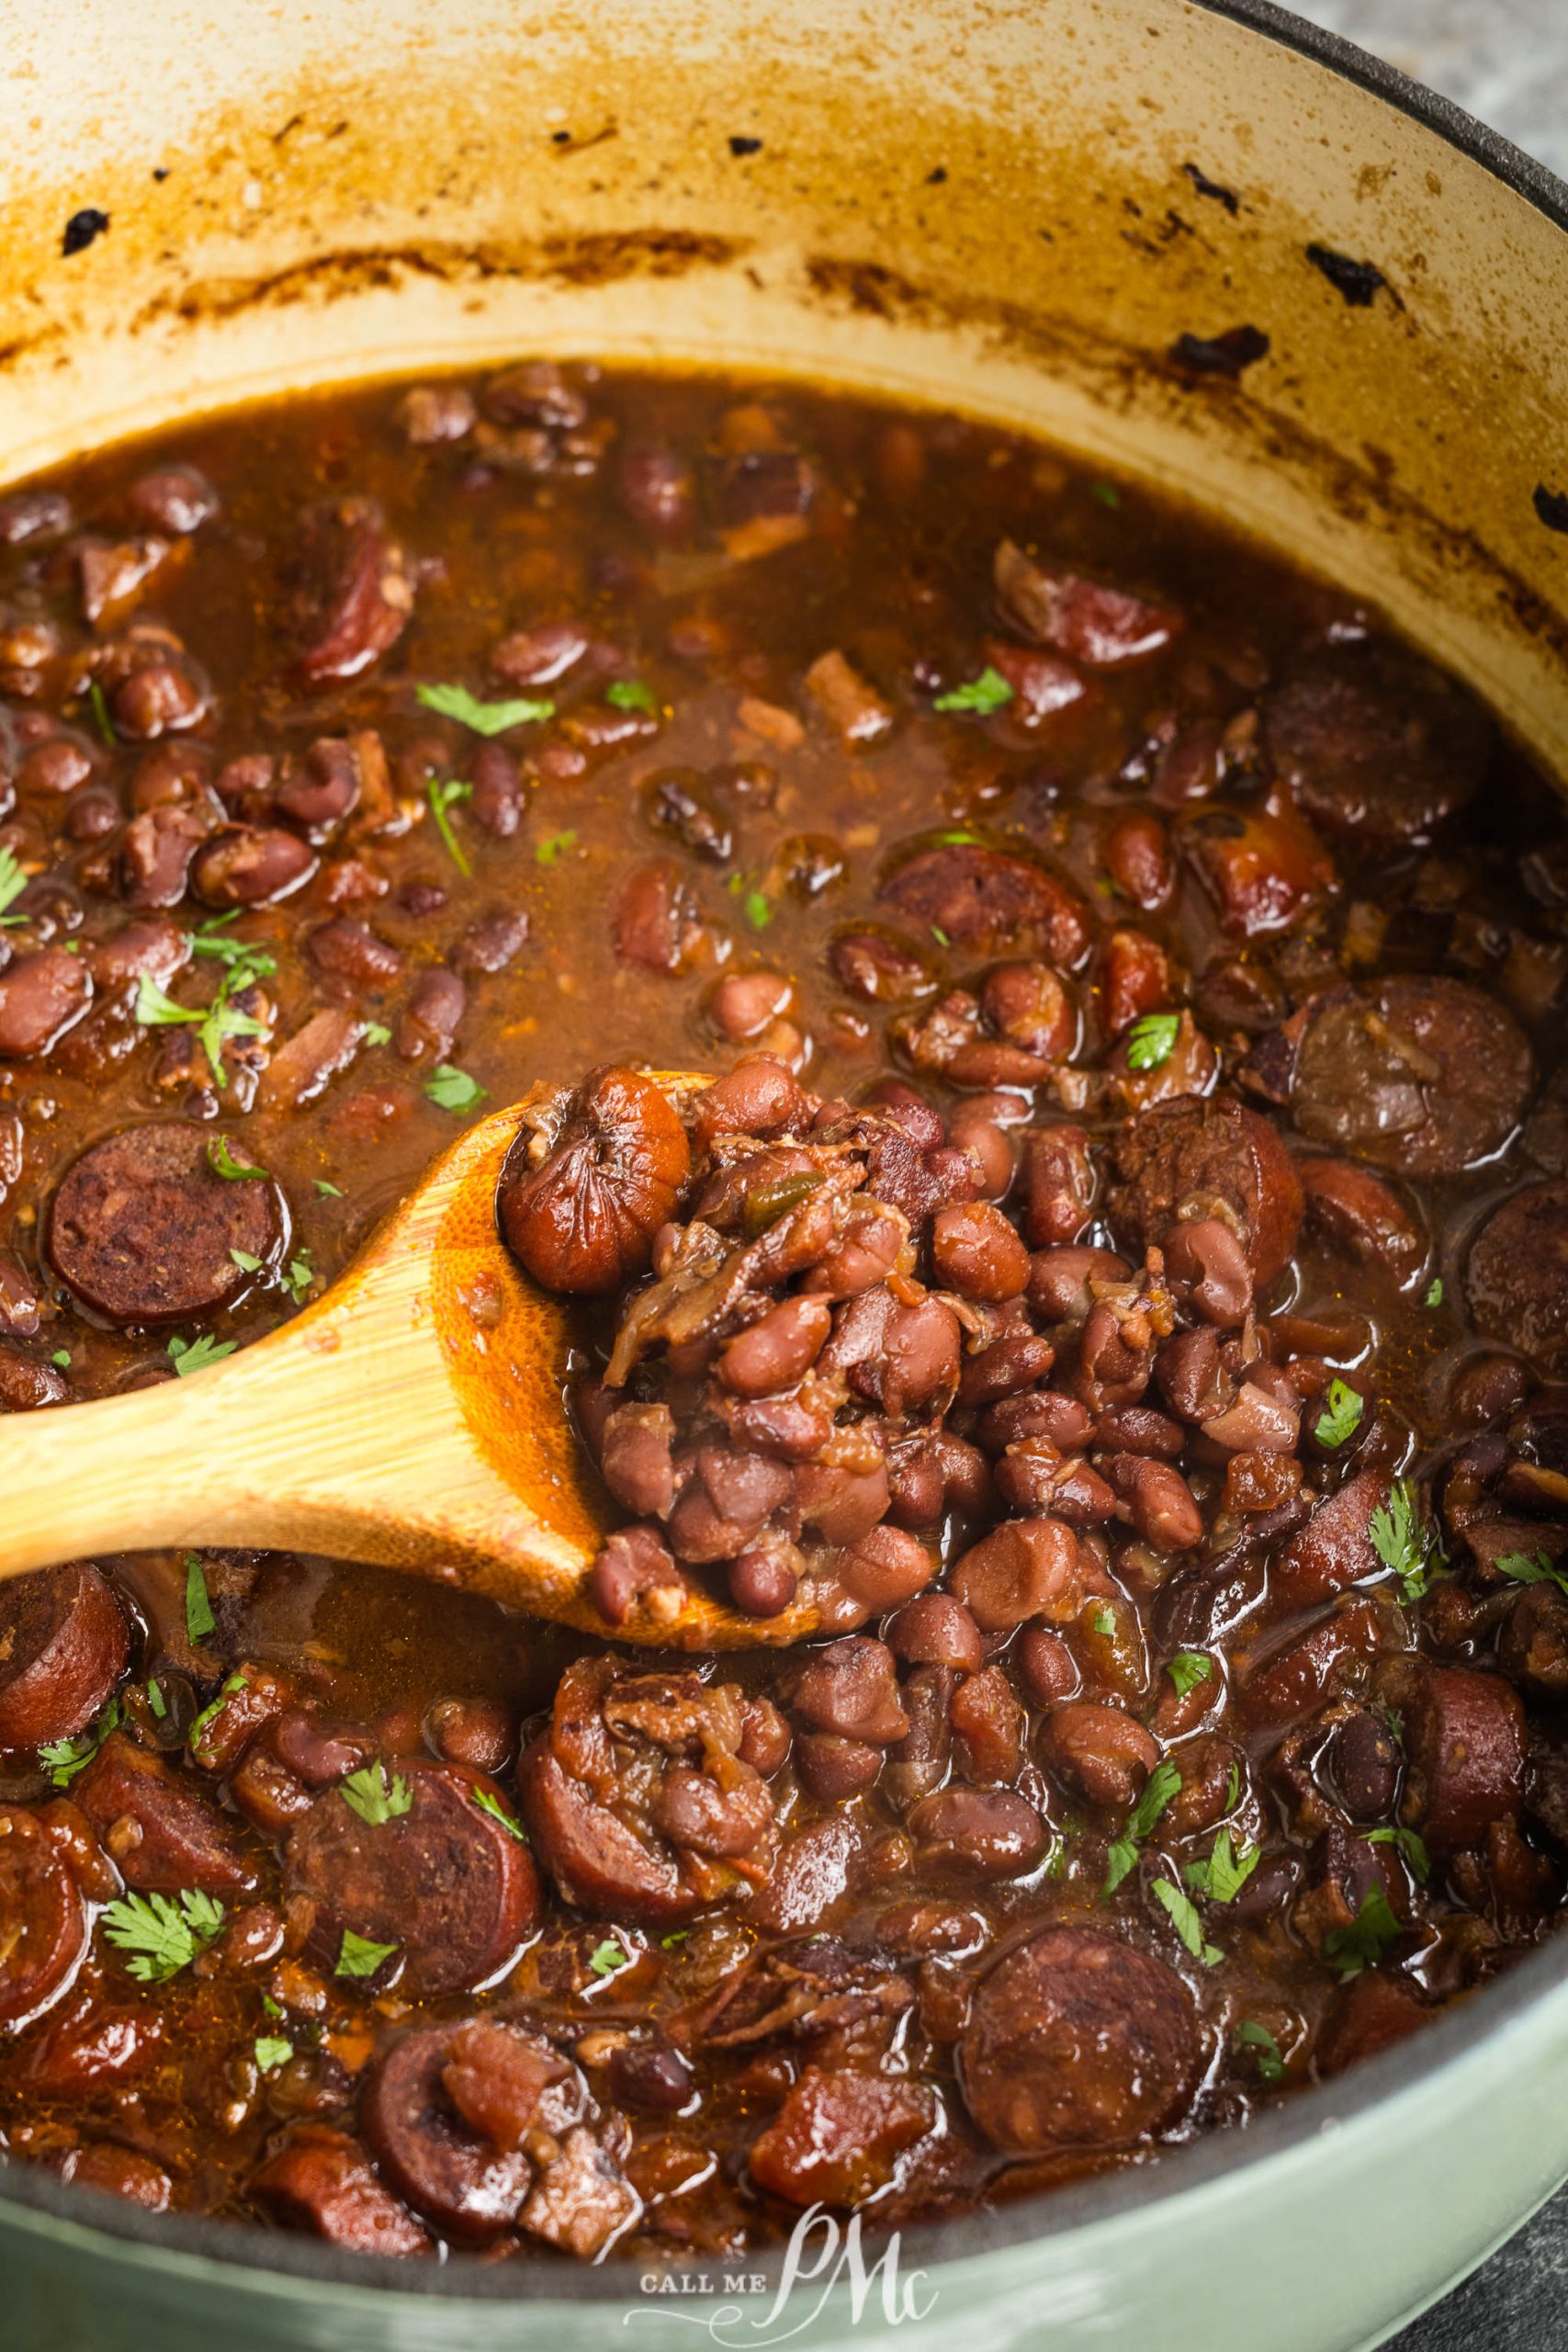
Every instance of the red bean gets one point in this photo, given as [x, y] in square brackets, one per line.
[775, 1352]
[976, 1252]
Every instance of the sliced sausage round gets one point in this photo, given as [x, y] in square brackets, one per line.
[596, 1861]
[1464, 1745]
[446, 1882]
[428, 2149]
[987, 899]
[1374, 743]
[1077, 2041]
[46, 1927]
[1194, 1159]
[143, 1228]
[1518, 1276]
[159, 1830]
[1426, 1076]
[63, 1644]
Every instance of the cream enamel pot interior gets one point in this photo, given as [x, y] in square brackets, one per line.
[1014, 207]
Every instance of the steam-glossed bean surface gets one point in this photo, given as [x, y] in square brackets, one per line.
[1119, 1272]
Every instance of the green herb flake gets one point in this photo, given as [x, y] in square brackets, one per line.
[1107, 494]
[100, 710]
[1152, 1040]
[486, 1801]
[607, 1959]
[164, 1934]
[1104, 1623]
[554, 846]
[375, 1797]
[1186, 1669]
[378, 1034]
[199, 1620]
[766, 1203]
[222, 1162]
[272, 2052]
[1412, 1847]
[1373, 1932]
[940, 935]
[1250, 2035]
[443, 794]
[62, 1357]
[64, 1758]
[1403, 1544]
[155, 1698]
[759, 910]
[197, 1736]
[484, 718]
[246, 1262]
[1222, 1873]
[1433, 1296]
[270, 2007]
[676, 1936]
[1520, 1569]
[195, 1355]
[987, 693]
[13, 882]
[357, 1956]
[630, 694]
[1233, 1789]
[300, 1275]
[453, 1089]
[1341, 1415]
[327, 1191]
[1121, 1855]
[1184, 1918]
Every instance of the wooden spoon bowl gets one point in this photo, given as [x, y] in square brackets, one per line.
[413, 1416]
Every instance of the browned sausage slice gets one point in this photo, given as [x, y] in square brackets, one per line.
[163, 1832]
[1077, 2041]
[467, 2185]
[355, 590]
[63, 1643]
[594, 1858]
[987, 899]
[1517, 1275]
[1334, 1548]
[1465, 1745]
[142, 1228]
[1426, 1076]
[319, 2179]
[1356, 1212]
[446, 1882]
[43, 1921]
[1374, 743]
[1179, 1159]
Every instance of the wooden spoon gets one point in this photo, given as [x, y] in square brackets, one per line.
[411, 1417]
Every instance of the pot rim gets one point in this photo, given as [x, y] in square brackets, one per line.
[1350, 2103]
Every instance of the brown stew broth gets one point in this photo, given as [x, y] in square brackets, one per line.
[1274, 811]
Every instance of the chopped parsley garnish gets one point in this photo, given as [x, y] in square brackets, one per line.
[270, 2007]
[1186, 1669]
[1122, 1854]
[242, 955]
[246, 1262]
[1434, 1292]
[554, 846]
[374, 1797]
[1106, 492]
[988, 691]
[1185, 1921]
[1233, 1789]
[155, 1698]
[62, 1357]
[453, 1089]
[1403, 1544]
[222, 1162]
[378, 1034]
[64, 1758]
[940, 935]
[607, 1959]
[199, 1620]
[959, 836]
[1341, 1415]
[443, 793]
[195, 1355]
[484, 718]
[300, 1275]
[1152, 1040]
[162, 1933]
[101, 714]
[1250, 2035]
[272, 2052]
[216, 1023]
[487, 1802]
[328, 1191]
[1373, 1931]
[759, 910]
[676, 1936]
[1224, 1873]
[629, 693]
[357, 1956]
[13, 882]
[1520, 1569]
[1104, 1623]
[1412, 1847]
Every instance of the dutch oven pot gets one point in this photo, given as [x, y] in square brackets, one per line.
[1201, 244]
